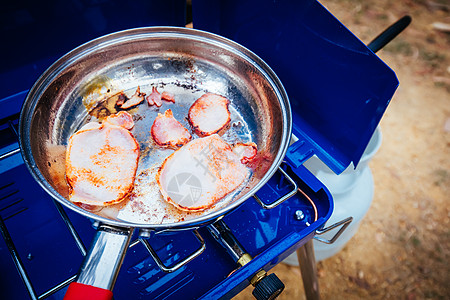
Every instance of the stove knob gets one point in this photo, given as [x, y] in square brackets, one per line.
[268, 288]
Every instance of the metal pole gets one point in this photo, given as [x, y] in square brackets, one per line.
[308, 269]
[17, 261]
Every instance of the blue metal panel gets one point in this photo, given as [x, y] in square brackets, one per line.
[11, 105]
[338, 88]
[44, 244]
[35, 34]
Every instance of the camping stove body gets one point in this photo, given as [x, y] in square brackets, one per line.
[338, 91]
[49, 241]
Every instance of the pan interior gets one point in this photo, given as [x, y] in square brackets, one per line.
[185, 63]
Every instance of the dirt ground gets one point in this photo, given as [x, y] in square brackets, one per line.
[402, 248]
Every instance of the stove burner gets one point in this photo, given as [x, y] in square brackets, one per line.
[47, 243]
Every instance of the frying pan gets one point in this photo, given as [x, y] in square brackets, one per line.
[185, 62]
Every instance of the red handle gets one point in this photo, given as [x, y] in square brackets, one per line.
[80, 291]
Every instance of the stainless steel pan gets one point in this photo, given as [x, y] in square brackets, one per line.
[183, 61]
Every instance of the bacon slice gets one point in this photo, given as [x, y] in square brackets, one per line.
[154, 98]
[246, 152]
[200, 173]
[167, 131]
[136, 99]
[122, 119]
[101, 162]
[209, 114]
[168, 97]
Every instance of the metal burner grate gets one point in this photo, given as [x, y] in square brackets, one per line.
[47, 243]
[12, 204]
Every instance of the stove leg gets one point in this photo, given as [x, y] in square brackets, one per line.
[307, 262]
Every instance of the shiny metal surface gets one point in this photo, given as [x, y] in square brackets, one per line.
[102, 264]
[281, 199]
[222, 234]
[188, 63]
[344, 223]
[308, 269]
[178, 265]
[17, 261]
[71, 228]
[9, 153]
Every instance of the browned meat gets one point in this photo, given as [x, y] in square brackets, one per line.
[136, 99]
[154, 98]
[246, 152]
[168, 97]
[122, 119]
[199, 174]
[101, 161]
[209, 114]
[105, 105]
[167, 131]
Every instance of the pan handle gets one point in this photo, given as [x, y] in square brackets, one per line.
[180, 264]
[78, 291]
[101, 265]
[389, 34]
[282, 198]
